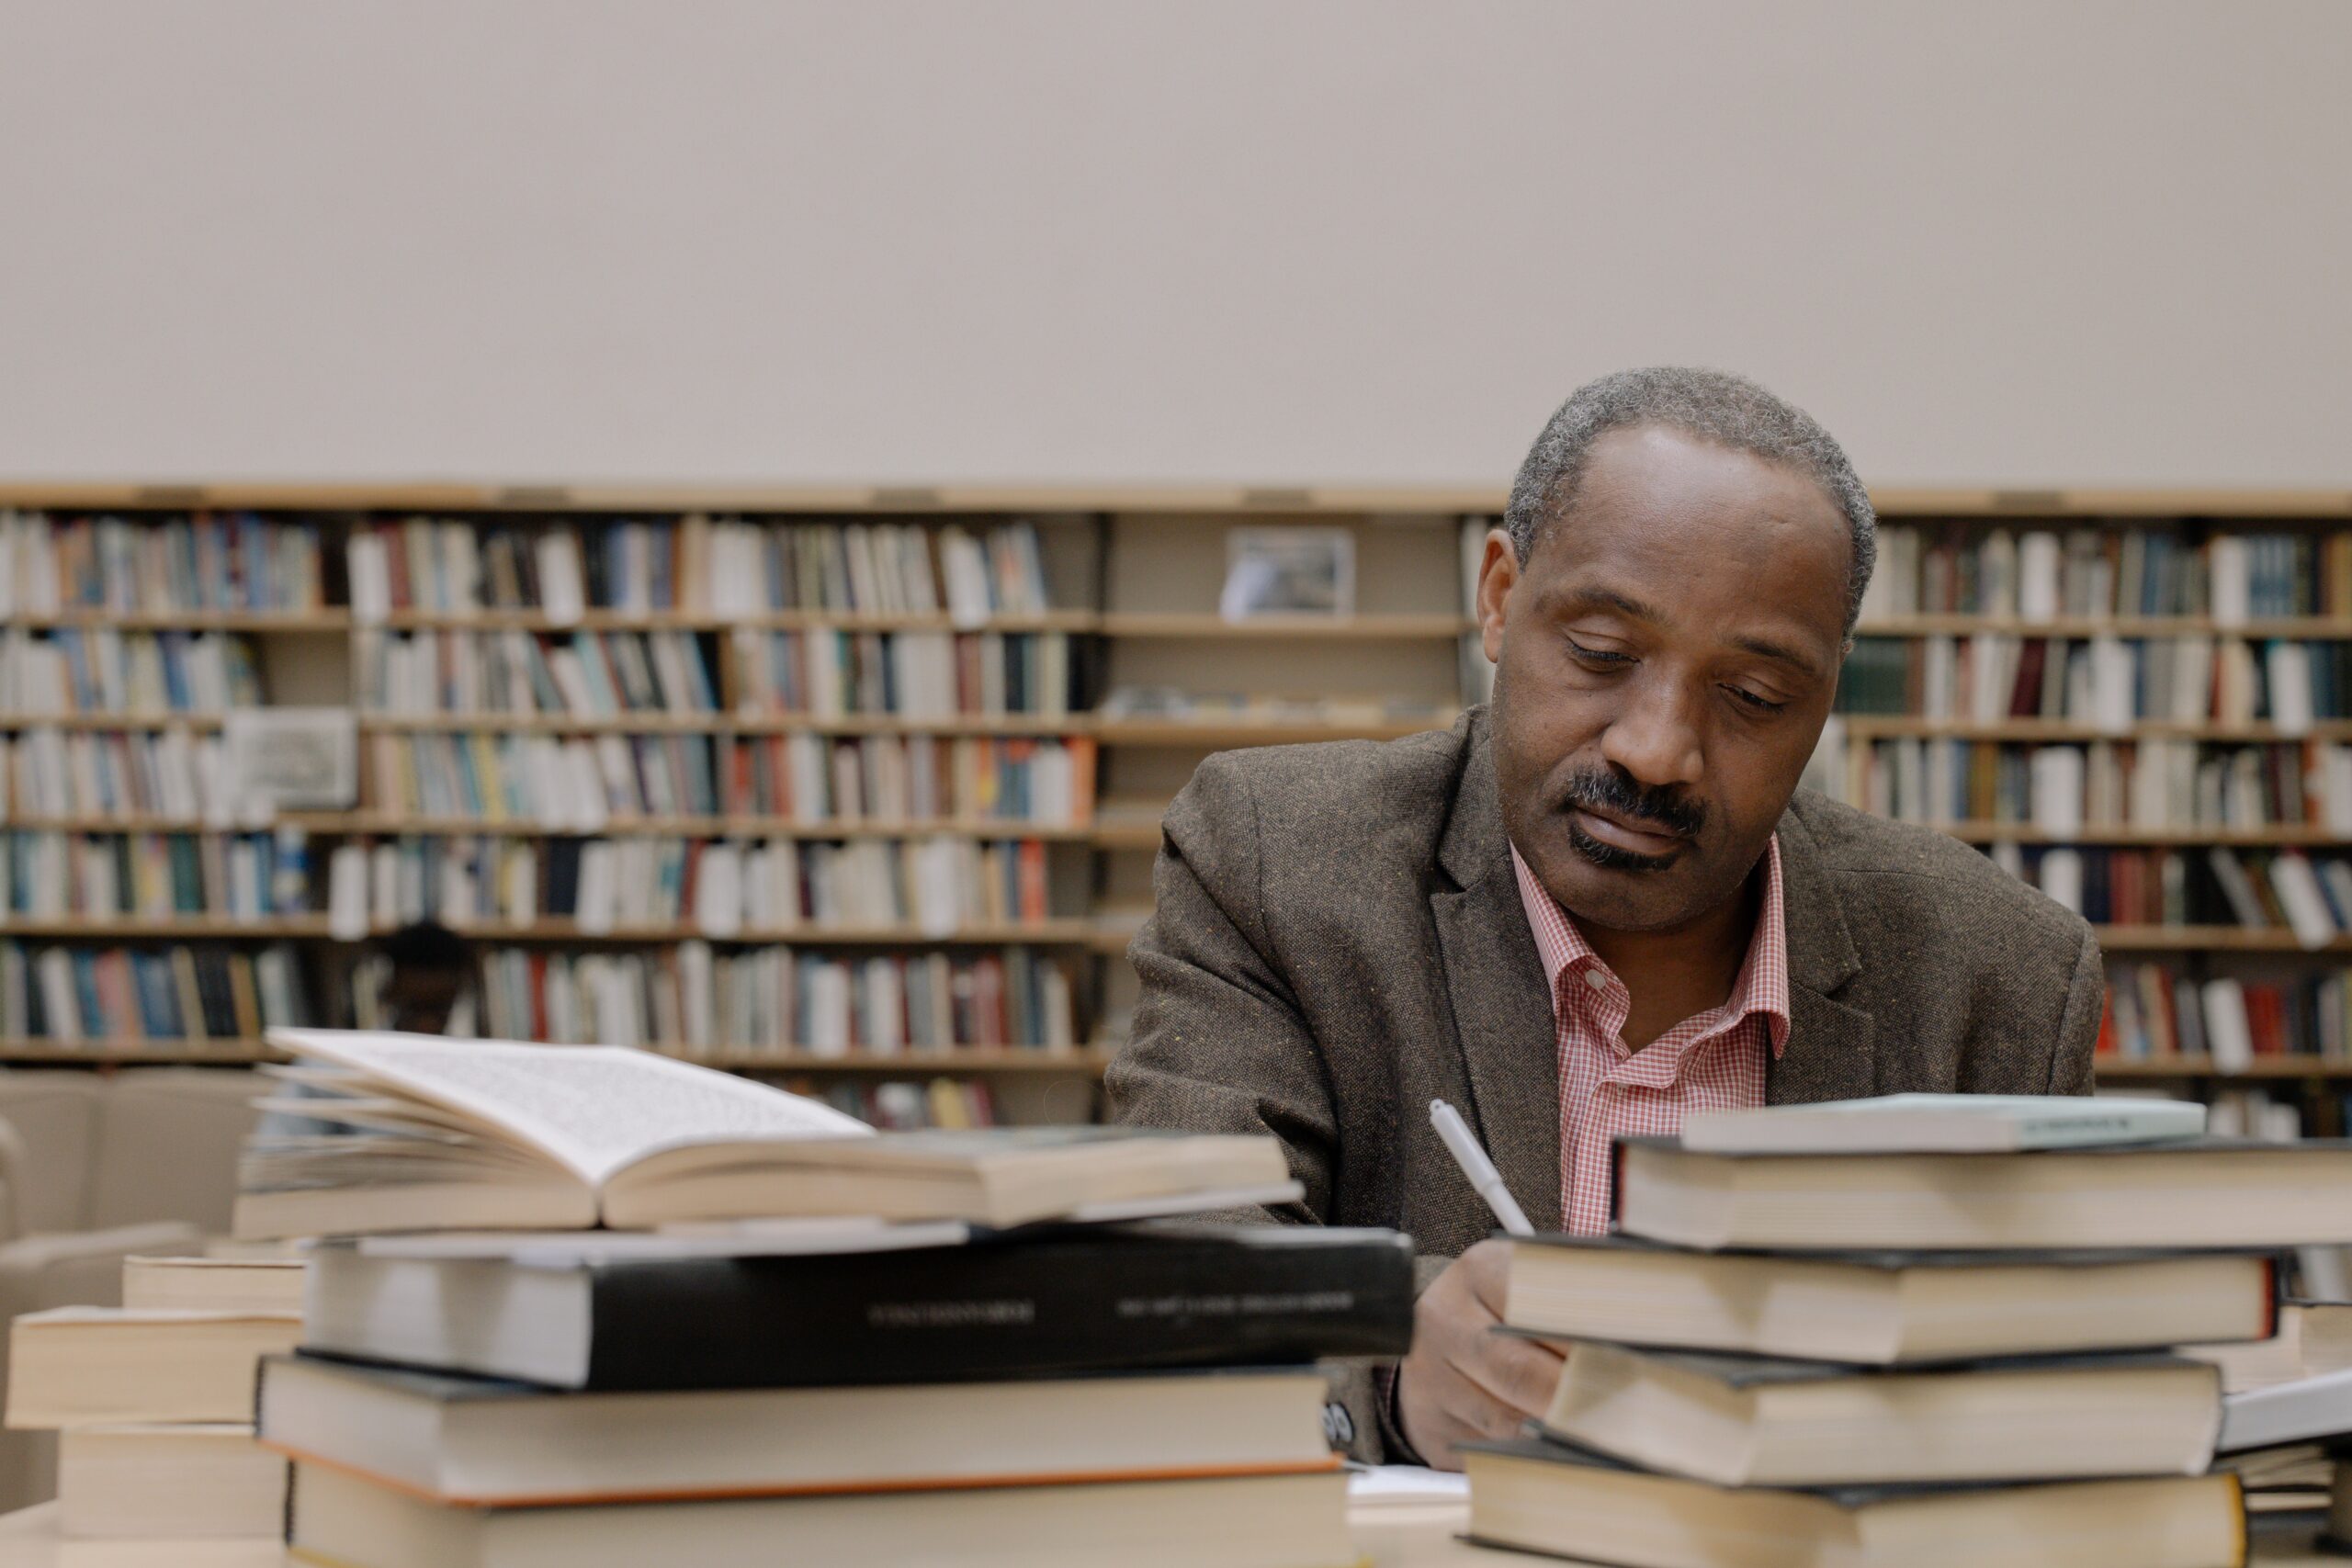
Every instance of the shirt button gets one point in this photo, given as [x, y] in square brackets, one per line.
[1596, 979]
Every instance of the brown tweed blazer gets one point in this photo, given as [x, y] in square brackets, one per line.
[1338, 939]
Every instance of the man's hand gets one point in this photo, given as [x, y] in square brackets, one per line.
[1461, 1382]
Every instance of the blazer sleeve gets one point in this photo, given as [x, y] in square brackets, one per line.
[1219, 1044]
[2078, 1021]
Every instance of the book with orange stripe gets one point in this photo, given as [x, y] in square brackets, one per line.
[476, 1442]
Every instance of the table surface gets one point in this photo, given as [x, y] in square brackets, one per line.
[1392, 1536]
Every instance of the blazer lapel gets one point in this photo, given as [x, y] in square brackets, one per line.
[1831, 1052]
[1502, 1015]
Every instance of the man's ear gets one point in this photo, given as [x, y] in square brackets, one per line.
[1498, 575]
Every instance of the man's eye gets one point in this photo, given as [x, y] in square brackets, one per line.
[1598, 656]
[1749, 699]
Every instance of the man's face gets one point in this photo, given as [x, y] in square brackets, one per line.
[1665, 658]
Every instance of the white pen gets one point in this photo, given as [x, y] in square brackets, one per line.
[1485, 1180]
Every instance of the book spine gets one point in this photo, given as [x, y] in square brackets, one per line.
[1094, 1302]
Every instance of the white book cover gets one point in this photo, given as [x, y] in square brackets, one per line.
[2057, 774]
[347, 910]
[2037, 557]
[2192, 679]
[2292, 879]
[2111, 684]
[1947, 1122]
[2228, 585]
[719, 890]
[2290, 668]
[2228, 1034]
[563, 594]
[599, 893]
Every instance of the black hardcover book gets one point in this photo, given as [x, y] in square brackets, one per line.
[1040, 1302]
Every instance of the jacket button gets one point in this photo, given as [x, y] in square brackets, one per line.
[1339, 1426]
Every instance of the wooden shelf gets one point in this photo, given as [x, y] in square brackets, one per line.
[373, 721]
[911, 1063]
[2114, 1069]
[142, 824]
[2090, 504]
[332, 620]
[135, 928]
[243, 1052]
[2215, 938]
[111, 720]
[2284, 834]
[712, 621]
[142, 1052]
[1219, 733]
[1309, 627]
[2323, 627]
[388, 825]
[1887, 727]
[1033, 933]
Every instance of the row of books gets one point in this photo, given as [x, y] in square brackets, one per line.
[914, 674]
[211, 561]
[48, 773]
[1770, 1361]
[589, 782]
[2153, 785]
[2041, 574]
[688, 996]
[2161, 1010]
[98, 670]
[55, 875]
[2109, 682]
[2211, 886]
[1051, 1395]
[899, 1105]
[190, 994]
[587, 675]
[723, 887]
[721, 567]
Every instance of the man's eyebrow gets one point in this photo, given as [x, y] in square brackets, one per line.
[1597, 598]
[1609, 599]
[1766, 647]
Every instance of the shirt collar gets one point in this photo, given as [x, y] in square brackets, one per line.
[1763, 983]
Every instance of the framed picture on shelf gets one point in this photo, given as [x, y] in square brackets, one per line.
[1288, 571]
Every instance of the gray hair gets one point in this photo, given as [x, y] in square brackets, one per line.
[1713, 405]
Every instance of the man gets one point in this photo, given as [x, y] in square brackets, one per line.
[428, 980]
[1595, 905]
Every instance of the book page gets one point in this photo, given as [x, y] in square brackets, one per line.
[592, 1109]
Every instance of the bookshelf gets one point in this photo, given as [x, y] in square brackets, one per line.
[1123, 675]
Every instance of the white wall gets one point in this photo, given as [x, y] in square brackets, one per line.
[729, 240]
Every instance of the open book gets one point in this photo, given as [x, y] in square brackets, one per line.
[414, 1132]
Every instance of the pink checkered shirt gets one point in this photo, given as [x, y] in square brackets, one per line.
[1712, 1061]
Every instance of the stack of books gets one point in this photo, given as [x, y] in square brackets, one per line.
[153, 1399]
[1898, 1338]
[835, 1347]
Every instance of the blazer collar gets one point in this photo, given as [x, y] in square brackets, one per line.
[1502, 1014]
[1832, 1050]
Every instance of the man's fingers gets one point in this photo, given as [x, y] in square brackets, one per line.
[1518, 1372]
[1480, 1413]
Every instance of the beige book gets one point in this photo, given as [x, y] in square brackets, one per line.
[1749, 1421]
[478, 1135]
[1887, 1308]
[1542, 1497]
[198, 1482]
[271, 1285]
[98, 1366]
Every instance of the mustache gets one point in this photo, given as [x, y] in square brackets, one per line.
[1610, 791]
